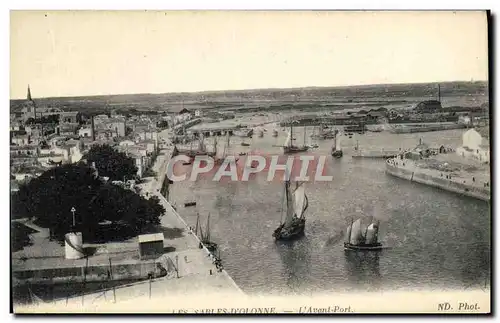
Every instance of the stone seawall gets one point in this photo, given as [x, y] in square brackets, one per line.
[95, 273]
[428, 177]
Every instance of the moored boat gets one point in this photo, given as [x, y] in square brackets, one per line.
[336, 150]
[290, 148]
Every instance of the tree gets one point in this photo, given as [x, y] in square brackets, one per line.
[49, 200]
[51, 196]
[111, 163]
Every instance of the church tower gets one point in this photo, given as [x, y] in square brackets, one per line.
[30, 102]
[28, 97]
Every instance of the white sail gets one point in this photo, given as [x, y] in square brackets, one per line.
[372, 234]
[300, 200]
[290, 209]
[225, 151]
[201, 144]
[348, 233]
[356, 233]
[288, 140]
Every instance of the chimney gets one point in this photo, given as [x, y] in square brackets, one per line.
[93, 128]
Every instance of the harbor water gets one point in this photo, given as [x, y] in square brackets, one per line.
[435, 239]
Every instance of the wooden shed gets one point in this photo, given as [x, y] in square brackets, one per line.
[150, 245]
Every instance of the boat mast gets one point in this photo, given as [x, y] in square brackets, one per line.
[197, 223]
[208, 228]
[350, 231]
[282, 205]
[376, 231]
[304, 135]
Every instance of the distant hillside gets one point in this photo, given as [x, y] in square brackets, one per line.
[232, 98]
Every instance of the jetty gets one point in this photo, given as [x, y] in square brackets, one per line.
[425, 127]
[440, 174]
[375, 153]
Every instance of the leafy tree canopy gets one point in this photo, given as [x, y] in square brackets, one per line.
[50, 197]
[111, 163]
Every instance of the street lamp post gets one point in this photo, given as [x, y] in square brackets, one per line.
[73, 210]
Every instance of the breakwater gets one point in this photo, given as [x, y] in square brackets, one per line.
[407, 169]
[426, 128]
[376, 153]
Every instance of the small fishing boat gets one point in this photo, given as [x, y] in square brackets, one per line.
[296, 206]
[187, 204]
[359, 240]
[275, 133]
[205, 236]
[242, 154]
[244, 144]
[261, 134]
[336, 150]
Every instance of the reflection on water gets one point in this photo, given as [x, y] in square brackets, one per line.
[363, 269]
[437, 239]
[296, 262]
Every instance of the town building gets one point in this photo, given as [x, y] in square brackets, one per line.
[474, 146]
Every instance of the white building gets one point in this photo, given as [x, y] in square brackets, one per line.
[464, 120]
[473, 147]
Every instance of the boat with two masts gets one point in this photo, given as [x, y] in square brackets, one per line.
[357, 239]
[218, 160]
[296, 205]
[290, 148]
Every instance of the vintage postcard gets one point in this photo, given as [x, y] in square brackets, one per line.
[250, 162]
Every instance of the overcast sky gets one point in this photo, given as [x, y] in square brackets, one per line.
[95, 53]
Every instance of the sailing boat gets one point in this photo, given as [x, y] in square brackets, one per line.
[289, 147]
[359, 240]
[275, 133]
[225, 153]
[261, 133]
[200, 151]
[323, 133]
[296, 206]
[205, 237]
[336, 150]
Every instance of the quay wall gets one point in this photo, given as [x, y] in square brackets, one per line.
[94, 273]
[376, 154]
[415, 174]
[429, 128]
[171, 211]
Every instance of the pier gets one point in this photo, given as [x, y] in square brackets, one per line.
[473, 185]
